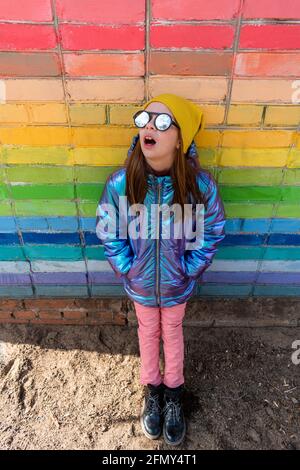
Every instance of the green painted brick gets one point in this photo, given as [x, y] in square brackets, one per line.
[4, 192]
[55, 252]
[250, 193]
[40, 174]
[43, 154]
[248, 211]
[93, 174]
[89, 191]
[5, 208]
[291, 193]
[51, 191]
[2, 175]
[46, 208]
[249, 176]
[288, 210]
[292, 177]
[87, 209]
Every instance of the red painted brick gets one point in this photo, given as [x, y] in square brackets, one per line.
[192, 36]
[77, 37]
[270, 37]
[17, 37]
[195, 10]
[18, 64]
[272, 9]
[122, 11]
[30, 10]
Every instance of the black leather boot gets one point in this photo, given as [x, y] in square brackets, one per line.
[174, 427]
[151, 414]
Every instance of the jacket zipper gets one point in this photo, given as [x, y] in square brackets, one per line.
[157, 252]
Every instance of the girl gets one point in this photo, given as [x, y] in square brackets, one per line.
[159, 273]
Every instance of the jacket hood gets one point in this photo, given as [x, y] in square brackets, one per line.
[191, 154]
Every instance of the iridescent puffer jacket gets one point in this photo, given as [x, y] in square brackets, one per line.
[160, 272]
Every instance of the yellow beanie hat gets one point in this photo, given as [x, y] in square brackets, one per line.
[188, 115]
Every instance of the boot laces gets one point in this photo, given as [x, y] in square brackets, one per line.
[173, 407]
[153, 404]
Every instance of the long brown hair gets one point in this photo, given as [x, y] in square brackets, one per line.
[183, 175]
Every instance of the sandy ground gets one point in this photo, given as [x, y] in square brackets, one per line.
[77, 387]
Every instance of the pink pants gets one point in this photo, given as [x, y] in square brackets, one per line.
[153, 323]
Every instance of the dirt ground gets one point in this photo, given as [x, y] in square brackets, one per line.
[77, 387]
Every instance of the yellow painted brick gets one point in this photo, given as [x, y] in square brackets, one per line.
[208, 138]
[214, 114]
[244, 114]
[195, 88]
[282, 115]
[13, 113]
[126, 90]
[103, 136]
[122, 115]
[34, 155]
[256, 139]
[100, 156]
[81, 113]
[45, 135]
[266, 157]
[294, 158]
[48, 113]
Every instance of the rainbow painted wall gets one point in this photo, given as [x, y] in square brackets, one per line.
[73, 72]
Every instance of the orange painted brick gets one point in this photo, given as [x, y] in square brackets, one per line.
[267, 64]
[79, 65]
[194, 88]
[262, 91]
[34, 90]
[107, 90]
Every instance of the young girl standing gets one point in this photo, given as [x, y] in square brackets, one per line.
[160, 271]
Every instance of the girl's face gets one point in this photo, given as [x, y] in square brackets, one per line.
[163, 152]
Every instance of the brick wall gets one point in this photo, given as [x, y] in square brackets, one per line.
[72, 74]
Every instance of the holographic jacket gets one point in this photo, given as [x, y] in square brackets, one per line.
[161, 271]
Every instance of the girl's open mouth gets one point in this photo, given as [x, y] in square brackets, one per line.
[149, 142]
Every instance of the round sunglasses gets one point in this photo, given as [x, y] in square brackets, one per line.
[162, 122]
